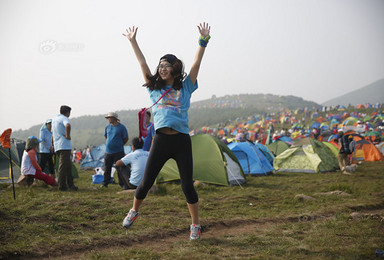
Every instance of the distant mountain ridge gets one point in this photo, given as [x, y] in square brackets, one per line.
[89, 130]
[372, 94]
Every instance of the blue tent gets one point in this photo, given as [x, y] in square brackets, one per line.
[96, 157]
[324, 127]
[286, 139]
[251, 158]
[267, 153]
[315, 125]
[334, 121]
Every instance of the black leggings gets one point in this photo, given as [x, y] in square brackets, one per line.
[164, 147]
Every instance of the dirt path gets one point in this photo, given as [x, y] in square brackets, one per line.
[163, 244]
[209, 230]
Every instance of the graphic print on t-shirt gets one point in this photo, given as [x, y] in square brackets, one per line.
[171, 101]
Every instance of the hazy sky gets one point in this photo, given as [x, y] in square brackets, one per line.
[73, 52]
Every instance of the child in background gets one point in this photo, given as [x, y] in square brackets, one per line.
[29, 165]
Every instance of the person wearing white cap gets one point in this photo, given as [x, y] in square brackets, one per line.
[46, 148]
[360, 127]
[116, 136]
[29, 165]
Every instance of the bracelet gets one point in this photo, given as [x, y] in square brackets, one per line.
[203, 41]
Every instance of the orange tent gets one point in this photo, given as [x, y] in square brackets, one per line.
[345, 115]
[365, 150]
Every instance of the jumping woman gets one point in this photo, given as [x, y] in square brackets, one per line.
[172, 138]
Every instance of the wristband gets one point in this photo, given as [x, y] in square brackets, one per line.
[203, 41]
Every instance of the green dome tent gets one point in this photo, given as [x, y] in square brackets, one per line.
[213, 163]
[333, 148]
[308, 156]
[278, 147]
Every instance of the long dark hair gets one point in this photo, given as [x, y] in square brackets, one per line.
[155, 82]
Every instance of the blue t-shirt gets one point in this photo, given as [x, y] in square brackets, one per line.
[46, 141]
[137, 160]
[59, 133]
[148, 140]
[115, 138]
[172, 109]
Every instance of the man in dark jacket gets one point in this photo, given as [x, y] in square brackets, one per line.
[343, 150]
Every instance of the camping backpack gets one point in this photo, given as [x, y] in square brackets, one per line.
[352, 146]
[345, 142]
[143, 131]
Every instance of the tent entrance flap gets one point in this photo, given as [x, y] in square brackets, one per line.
[234, 171]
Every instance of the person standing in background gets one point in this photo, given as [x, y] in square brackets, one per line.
[46, 148]
[116, 136]
[74, 152]
[61, 137]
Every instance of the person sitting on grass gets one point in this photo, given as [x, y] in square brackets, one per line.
[29, 165]
[137, 160]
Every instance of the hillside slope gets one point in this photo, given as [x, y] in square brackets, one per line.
[372, 93]
[89, 130]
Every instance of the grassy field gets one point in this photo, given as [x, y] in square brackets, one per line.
[263, 219]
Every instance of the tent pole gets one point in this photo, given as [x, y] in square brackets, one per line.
[10, 164]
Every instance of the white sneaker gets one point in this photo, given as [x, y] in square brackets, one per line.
[130, 218]
[195, 231]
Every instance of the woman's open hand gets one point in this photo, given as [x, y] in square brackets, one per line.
[204, 29]
[131, 33]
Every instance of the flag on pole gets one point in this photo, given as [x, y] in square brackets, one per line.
[5, 138]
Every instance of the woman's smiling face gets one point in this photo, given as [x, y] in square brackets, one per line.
[165, 72]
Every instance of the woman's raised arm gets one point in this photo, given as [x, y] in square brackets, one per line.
[131, 36]
[204, 30]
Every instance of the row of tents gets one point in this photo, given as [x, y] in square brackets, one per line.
[217, 163]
